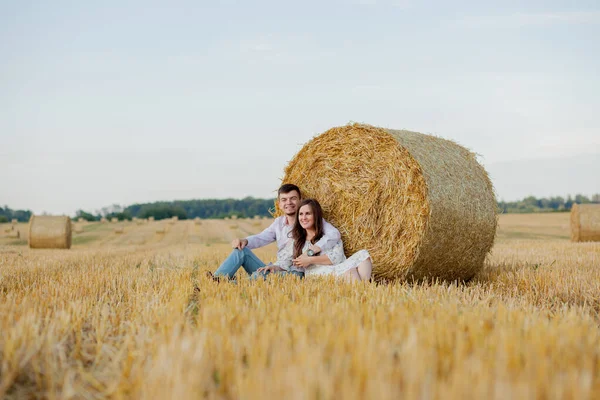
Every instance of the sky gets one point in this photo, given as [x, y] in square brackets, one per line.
[122, 102]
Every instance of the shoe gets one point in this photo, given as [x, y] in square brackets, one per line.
[212, 276]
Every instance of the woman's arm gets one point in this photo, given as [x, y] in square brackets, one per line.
[304, 260]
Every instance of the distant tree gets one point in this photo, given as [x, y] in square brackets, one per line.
[86, 215]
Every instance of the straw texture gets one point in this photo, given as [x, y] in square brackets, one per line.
[423, 206]
[49, 232]
[585, 223]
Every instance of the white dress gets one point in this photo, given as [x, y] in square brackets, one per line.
[340, 264]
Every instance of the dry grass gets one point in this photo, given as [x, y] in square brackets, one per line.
[106, 320]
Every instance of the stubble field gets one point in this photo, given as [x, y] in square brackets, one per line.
[132, 315]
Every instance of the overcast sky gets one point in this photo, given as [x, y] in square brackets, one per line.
[137, 101]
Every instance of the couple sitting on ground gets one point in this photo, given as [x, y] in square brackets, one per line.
[307, 245]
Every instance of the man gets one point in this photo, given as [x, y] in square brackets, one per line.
[288, 197]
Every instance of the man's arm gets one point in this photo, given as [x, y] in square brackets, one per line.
[330, 237]
[264, 238]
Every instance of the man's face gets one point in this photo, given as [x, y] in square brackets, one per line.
[288, 202]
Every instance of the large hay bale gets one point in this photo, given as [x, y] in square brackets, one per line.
[49, 232]
[585, 223]
[423, 206]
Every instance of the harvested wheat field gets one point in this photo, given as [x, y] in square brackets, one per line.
[133, 316]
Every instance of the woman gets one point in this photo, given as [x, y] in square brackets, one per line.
[308, 230]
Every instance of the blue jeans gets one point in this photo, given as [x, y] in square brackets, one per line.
[249, 261]
[239, 258]
[264, 275]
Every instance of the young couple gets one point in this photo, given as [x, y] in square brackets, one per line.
[307, 245]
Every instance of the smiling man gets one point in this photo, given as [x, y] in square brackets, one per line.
[288, 198]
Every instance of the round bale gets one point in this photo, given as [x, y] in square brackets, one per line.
[422, 205]
[49, 232]
[585, 223]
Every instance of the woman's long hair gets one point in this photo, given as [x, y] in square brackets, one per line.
[299, 233]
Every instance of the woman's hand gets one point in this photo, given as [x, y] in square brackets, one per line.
[270, 268]
[302, 261]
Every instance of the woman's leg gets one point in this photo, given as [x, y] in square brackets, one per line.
[364, 269]
[351, 275]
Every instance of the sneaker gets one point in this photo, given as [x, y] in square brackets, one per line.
[212, 276]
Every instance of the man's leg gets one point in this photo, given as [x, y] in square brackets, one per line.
[239, 258]
[264, 275]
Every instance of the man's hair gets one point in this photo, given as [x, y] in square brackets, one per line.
[288, 187]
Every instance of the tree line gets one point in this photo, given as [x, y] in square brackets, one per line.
[187, 209]
[250, 207]
[532, 204]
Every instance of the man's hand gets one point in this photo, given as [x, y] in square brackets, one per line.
[270, 268]
[302, 261]
[239, 243]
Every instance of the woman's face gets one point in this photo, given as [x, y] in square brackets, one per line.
[306, 217]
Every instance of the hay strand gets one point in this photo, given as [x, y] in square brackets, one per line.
[585, 223]
[423, 206]
[49, 232]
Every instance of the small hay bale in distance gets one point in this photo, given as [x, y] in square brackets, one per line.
[119, 230]
[9, 229]
[14, 234]
[80, 220]
[233, 226]
[197, 221]
[151, 219]
[49, 232]
[423, 206]
[585, 223]
[14, 221]
[103, 220]
[78, 229]
[161, 230]
[114, 220]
